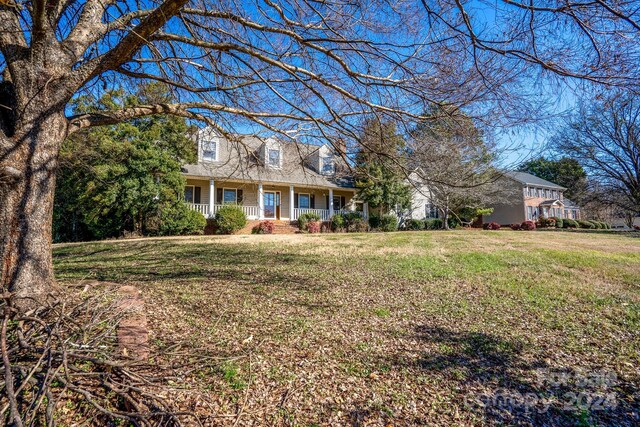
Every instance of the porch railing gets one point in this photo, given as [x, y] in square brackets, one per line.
[251, 212]
[200, 207]
[324, 214]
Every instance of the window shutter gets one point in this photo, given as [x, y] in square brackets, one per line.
[219, 196]
[326, 199]
[313, 201]
[343, 201]
[196, 196]
[240, 196]
[295, 200]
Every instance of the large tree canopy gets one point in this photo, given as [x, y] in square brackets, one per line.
[604, 136]
[299, 68]
[125, 178]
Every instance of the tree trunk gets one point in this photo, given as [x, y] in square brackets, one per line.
[28, 163]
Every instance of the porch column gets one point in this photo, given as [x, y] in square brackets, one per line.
[291, 203]
[330, 202]
[365, 209]
[212, 196]
[260, 202]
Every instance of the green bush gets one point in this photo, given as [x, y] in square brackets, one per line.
[181, 220]
[388, 223]
[358, 225]
[229, 219]
[338, 222]
[570, 223]
[454, 222]
[433, 224]
[305, 218]
[415, 224]
[374, 222]
[586, 224]
[559, 222]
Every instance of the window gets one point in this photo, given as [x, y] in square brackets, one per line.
[230, 196]
[338, 202]
[304, 201]
[328, 166]
[547, 193]
[274, 158]
[431, 211]
[554, 194]
[189, 192]
[529, 213]
[210, 151]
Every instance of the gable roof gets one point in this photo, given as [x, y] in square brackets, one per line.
[243, 164]
[528, 179]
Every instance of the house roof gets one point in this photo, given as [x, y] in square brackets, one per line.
[528, 179]
[551, 202]
[569, 204]
[243, 164]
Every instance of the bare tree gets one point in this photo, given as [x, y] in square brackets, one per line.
[605, 138]
[299, 67]
[455, 162]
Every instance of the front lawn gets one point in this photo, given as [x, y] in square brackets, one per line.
[413, 328]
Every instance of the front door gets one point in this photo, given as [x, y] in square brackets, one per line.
[271, 203]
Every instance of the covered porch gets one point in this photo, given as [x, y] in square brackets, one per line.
[272, 201]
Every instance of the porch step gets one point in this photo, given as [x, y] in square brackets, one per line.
[279, 227]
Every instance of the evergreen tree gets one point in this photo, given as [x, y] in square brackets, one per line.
[381, 168]
[125, 178]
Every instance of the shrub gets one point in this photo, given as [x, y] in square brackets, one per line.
[454, 222]
[313, 226]
[559, 222]
[265, 227]
[388, 222]
[528, 226]
[570, 223]
[636, 227]
[305, 218]
[546, 222]
[229, 219]
[358, 225]
[433, 224]
[515, 227]
[586, 224]
[491, 226]
[374, 222]
[415, 224]
[180, 220]
[338, 222]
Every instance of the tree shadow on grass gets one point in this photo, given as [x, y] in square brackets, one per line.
[496, 380]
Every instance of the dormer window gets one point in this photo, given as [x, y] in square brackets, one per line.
[328, 165]
[210, 150]
[274, 157]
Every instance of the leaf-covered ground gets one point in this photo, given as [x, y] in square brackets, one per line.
[413, 328]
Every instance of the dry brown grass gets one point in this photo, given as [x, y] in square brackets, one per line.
[382, 329]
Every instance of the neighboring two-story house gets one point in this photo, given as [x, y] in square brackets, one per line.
[270, 179]
[532, 198]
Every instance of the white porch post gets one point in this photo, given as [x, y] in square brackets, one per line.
[292, 195]
[330, 202]
[365, 209]
[212, 196]
[260, 202]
